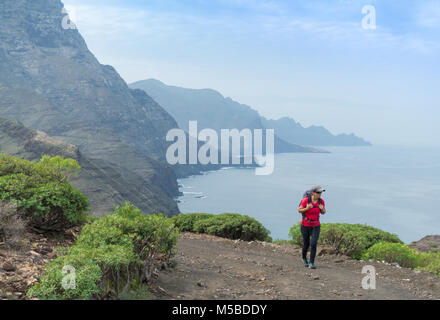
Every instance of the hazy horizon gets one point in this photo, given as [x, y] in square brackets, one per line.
[308, 60]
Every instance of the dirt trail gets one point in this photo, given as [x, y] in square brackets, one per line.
[209, 267]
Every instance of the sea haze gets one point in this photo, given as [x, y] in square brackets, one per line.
[392, 188]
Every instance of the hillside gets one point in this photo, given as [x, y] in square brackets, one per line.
[211, 110]
[50, 81]
[105, 184]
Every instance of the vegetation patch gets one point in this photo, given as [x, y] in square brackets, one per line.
[185, 222]
[429, 261]
[349, 239]
[393, 253]
[405, 256]
[226, 225]
[113, 257]
[42, 192]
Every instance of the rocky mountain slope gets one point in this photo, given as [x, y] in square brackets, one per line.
[428, 243]
[105, 184]
[50, 81]
[58, 78]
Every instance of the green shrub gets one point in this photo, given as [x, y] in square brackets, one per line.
[226, 225]
[349, 239]
[43, 192]
[429, 261]
[393, 252]
[405, 256]
[64, 168]
[90, 267]
[185, 222]
[148, 234]
[295, 234]
[113, 256]
[233, 226]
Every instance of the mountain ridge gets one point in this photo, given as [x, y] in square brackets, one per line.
[211, 110]
[215, 111]
[292, 131]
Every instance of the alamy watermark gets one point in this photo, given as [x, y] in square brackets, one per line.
[369, 281]
[369, 19]
[69, 280]
[209, 152]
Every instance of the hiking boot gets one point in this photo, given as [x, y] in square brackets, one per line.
[306, 263]
[312, 265]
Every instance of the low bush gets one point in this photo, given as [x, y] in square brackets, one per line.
[405, 256]
[233, 226]
[185, 222]
[226, 225]
[429, 261]
[393, 253]
[349, 239]
[42, 191]
[92, 267]
[112, 257]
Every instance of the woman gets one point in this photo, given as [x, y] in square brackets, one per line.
[311, 207]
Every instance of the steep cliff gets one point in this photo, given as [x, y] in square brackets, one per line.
[50, 81]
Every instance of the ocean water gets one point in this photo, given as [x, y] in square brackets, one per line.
[392, 188]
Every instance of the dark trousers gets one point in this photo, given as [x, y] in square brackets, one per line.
[308, 232]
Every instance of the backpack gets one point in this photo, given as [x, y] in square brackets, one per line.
[308, 195]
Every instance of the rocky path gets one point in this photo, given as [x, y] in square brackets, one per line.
[215, 268]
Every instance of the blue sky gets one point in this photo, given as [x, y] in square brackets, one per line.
[307, 59]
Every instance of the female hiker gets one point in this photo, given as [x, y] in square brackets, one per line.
[312, 205]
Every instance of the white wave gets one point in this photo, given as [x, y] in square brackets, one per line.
[195, 193]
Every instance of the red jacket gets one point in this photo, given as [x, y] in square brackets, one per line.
[311, 216]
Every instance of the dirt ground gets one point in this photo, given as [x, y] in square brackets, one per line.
[21, 268]
[209, 267]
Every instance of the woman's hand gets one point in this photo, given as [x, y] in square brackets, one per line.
[322, 208]
[304, 209]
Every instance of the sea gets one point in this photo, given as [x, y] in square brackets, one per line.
[389, 187]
